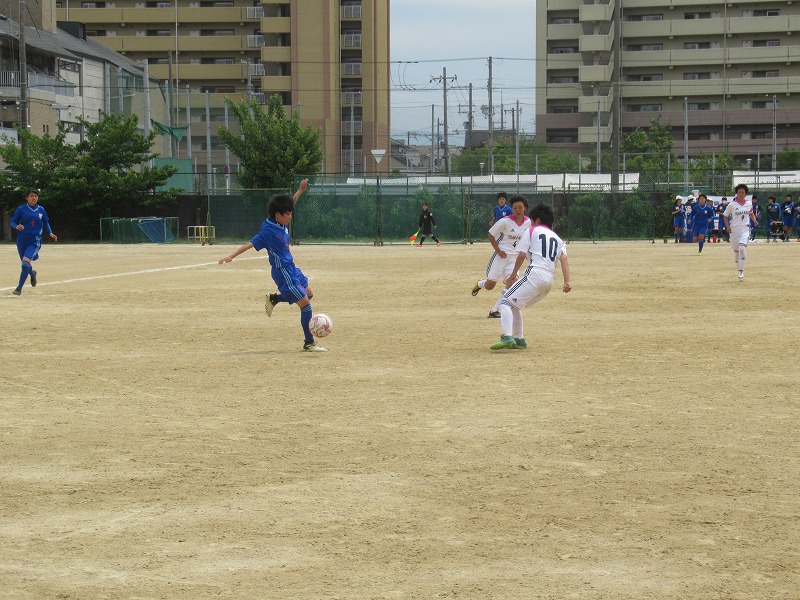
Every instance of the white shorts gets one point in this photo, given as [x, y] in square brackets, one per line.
[740, 236]
[498, 268]
[526, 292]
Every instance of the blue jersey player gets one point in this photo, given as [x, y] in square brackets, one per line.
[502, 209]
[703, 214]
[30, 220]
[292, 284]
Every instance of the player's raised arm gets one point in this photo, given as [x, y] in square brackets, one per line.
[300, 190]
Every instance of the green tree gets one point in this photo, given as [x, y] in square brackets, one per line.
[533, 157]
[108, 170]
[712, 170]
[788, 159]
[589, 217]
[649, 152]
[272, 149]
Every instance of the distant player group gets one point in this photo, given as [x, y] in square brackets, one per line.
[737, 222]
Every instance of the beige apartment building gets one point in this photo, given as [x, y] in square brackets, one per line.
[728, 71]
[328, 59]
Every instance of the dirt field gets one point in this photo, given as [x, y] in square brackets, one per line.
[161, 438]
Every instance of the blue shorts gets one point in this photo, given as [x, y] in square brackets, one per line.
[679, 222]
[787, 221]
[291, 283]
[28, 247]
[701, 230]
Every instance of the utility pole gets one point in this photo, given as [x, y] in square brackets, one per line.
[433, 141]
[23, 70]
[468, 124]
[443, 79]
[491, 133]
[516, 132]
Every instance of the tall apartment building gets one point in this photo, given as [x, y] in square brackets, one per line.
[730, 70]
[329, 59]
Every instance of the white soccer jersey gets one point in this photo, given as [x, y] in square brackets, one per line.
[508, 233]
[739, 214]
[543, 248]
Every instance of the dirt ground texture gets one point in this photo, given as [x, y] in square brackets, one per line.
[162, 438]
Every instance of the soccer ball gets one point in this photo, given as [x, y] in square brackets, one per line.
[321, 325]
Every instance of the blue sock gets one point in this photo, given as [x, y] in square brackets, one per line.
[677, 236]
[701, 244]
[305, 319]
[26, 270]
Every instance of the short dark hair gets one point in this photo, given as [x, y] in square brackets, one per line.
[771, 198]
[742, 186]
[30, 191]
[518, 198]
[544, 213]
[280, 203]
[501, 195]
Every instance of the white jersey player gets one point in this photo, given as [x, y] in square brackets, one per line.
[738, 216]
[543, 248]
[504, 236]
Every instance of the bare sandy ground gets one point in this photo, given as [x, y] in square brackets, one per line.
[160, 437]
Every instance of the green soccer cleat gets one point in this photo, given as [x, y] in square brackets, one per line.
[475, 289]
[270, 304]
[33, 278]
[506, 342]
[313, 347]
[521, 343]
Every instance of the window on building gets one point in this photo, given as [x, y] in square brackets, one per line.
[159, 32]
[766, 43]
[699, 136]
[638, 18]
[766, 73]
[217, 61]
[564, 110]
[645, 47]
[760, 135]
[761, 104]
[561, 138]
[773, 12]
[696, 45]
[564, 50]
[646, 77]
[216, 32]
[697, 15]
[696, 76]
[563, 20]
[643, 108]
[698, 106]
[564, 79]
[95, 33]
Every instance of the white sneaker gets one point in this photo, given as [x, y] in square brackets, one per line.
[741, 275]
[314, 347]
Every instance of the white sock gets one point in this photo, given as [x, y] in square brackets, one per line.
[742, 256]
[518, 327]
[482, 284]
[506, 318]
[736, 258]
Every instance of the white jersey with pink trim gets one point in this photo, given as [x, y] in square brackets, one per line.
[739, 214]
[508, 233]
[543, 248]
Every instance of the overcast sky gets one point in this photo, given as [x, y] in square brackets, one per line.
[460, 35]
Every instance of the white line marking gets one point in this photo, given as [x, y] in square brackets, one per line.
[131, 273]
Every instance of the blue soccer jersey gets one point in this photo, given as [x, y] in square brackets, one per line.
[33, 218]
[501, 211]
[701, 215]
[275, 238]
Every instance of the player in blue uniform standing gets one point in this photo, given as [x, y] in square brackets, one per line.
[787, 208]
[502, 209]
[678, 218]
[30, 220]
[703, 214]
[292, 284]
